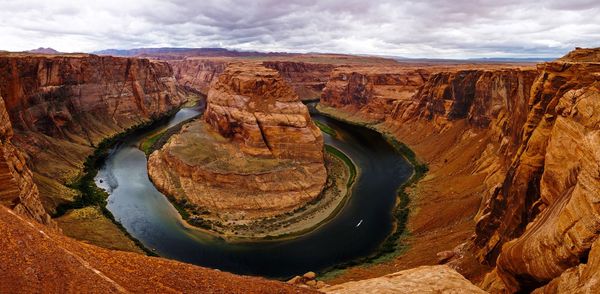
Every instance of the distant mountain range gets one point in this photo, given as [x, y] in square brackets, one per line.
[475, 60]
[178, 53]
[43, 50]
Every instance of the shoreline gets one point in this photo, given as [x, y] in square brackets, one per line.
[89, 194]
[320, 210]
[392, 245]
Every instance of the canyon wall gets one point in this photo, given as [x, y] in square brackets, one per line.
[198, 73]
[543, 219]
[17, 190]
[372, 91]
[256, 154]
[62, 106]
[307, 79]
[524, 142]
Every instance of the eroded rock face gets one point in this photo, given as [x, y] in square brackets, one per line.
[307, 79]
[198, 73]
[533, 138]
[547, 202]
[63, 105]
[372, 91]
[256, 154]
[253, 105]
[17, 190]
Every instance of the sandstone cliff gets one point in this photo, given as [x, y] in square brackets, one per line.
[17, 190]
[62, 106]
[372, 91]
[547, 202]
[524, 143]
[198, 73]
[457, 121]
[307, 79]
[257, 154]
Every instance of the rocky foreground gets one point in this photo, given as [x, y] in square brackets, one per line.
[256, 154]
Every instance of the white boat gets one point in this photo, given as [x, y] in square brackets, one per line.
[360, 222]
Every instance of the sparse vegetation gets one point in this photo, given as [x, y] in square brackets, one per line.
[351, 167]
[325, 128]
[392, 245]
[147, 143]
[92, 195]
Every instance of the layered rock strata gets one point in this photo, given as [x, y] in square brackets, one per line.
[541, 219]
[256, 154]
[17, 189]
[527, 144]
[61, 106]
[307, 79]
[453, 118]
[198, 73]
[372, 90]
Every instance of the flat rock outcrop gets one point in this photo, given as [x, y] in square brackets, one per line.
[256, 154]
[425, 279]
[61, 106]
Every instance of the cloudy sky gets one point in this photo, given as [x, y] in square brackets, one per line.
[428, 28]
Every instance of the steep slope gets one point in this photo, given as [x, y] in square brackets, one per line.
[547, 201]
[522, 142]
[198, 73]
[61, 106]
[17, 190]
[307, 79]
[456, 121]
[35, 259]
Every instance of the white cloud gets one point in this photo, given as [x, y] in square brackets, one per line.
[434, 28]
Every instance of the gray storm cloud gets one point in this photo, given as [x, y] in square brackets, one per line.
[434, 28]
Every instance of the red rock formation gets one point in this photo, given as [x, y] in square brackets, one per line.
[198, 73]
[372, 91]
[307, 79]
[458, 121]
[254, 105]
[546, 203]
[257, 155]
[61, 106]
[17, 190]
[425, 279]
[533, 145]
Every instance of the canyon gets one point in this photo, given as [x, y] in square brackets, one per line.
[509, 201]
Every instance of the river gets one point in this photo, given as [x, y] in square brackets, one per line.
[356, 231]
